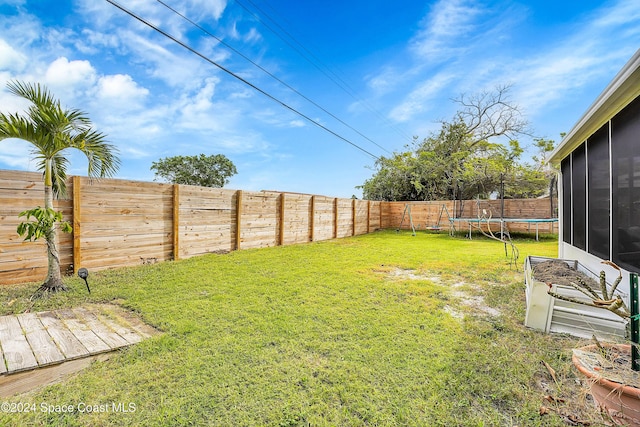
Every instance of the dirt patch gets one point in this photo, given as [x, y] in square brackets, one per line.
[402, 273]
[559, 272]
[476, 302]
[463, 296]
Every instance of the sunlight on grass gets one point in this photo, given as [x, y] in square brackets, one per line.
[315, 334]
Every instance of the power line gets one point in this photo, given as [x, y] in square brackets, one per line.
[209, 60]
[336, 79]
[195, 24]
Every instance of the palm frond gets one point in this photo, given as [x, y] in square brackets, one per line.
[15, 126]
[103, 157]
[37, 94]
[53, 129]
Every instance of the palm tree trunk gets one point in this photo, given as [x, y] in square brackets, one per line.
[53, 282]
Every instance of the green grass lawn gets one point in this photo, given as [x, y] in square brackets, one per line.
[323, 334]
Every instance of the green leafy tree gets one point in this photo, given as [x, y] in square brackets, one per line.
[205, 171]
[52, 130]
[461, 160]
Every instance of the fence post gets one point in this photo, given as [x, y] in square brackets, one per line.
[353, 217]
[368, 216]
[77, 227]
[238, 217]
[281, 221]
[176, 221]
[312, 216]
[335, 218]
[635, 322]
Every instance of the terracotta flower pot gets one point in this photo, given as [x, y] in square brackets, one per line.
[622, 402]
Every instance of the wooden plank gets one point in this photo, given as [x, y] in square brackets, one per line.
[124, 318]
[3, 365]
[68, 344]
[258, 218]
[102, 330]
[176, 221]
[281, 220]
[121, 328]
[77, 230]
[192, 193]
[197, 216]
[140, 223]
[98, 258]
[207, 240]
[335, 218]
[120, 186]
[210, 228]
[82, 331]
[15, 347]
[22, 276]
[44, 349]
[26, 182]
[191, 251]
[132, 202]
[238, 218]
[353, 217]
[108, 251]
[23, 382]
[312, 218]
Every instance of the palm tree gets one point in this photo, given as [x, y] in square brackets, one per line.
[52, 130]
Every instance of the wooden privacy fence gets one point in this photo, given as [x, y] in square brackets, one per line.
[426, 215]
[121, 223]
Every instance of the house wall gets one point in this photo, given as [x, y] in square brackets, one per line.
[599, 194]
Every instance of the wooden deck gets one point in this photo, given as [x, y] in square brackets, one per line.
[30, 341]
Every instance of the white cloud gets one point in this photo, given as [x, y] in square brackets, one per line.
[11, 59]
[620, 13]
[583, 57]
[419, 100]
[252, 36]
[198, 10]
[108, 17]
[385, 80]
[121, 89]
[93, 42]
[448, 23]
[456, 52]
[177, 69]
[63, 73]
[208, 8]
[199, 113]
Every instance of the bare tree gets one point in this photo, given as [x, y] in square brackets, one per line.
[491, 113]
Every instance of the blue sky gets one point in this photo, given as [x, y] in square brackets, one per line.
[387, 69]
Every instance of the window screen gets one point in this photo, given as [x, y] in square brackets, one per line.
[565, 168]
[579, 193]
[599, 189]
[625, 149]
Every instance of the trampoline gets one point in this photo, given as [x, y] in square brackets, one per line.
[503, 222]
